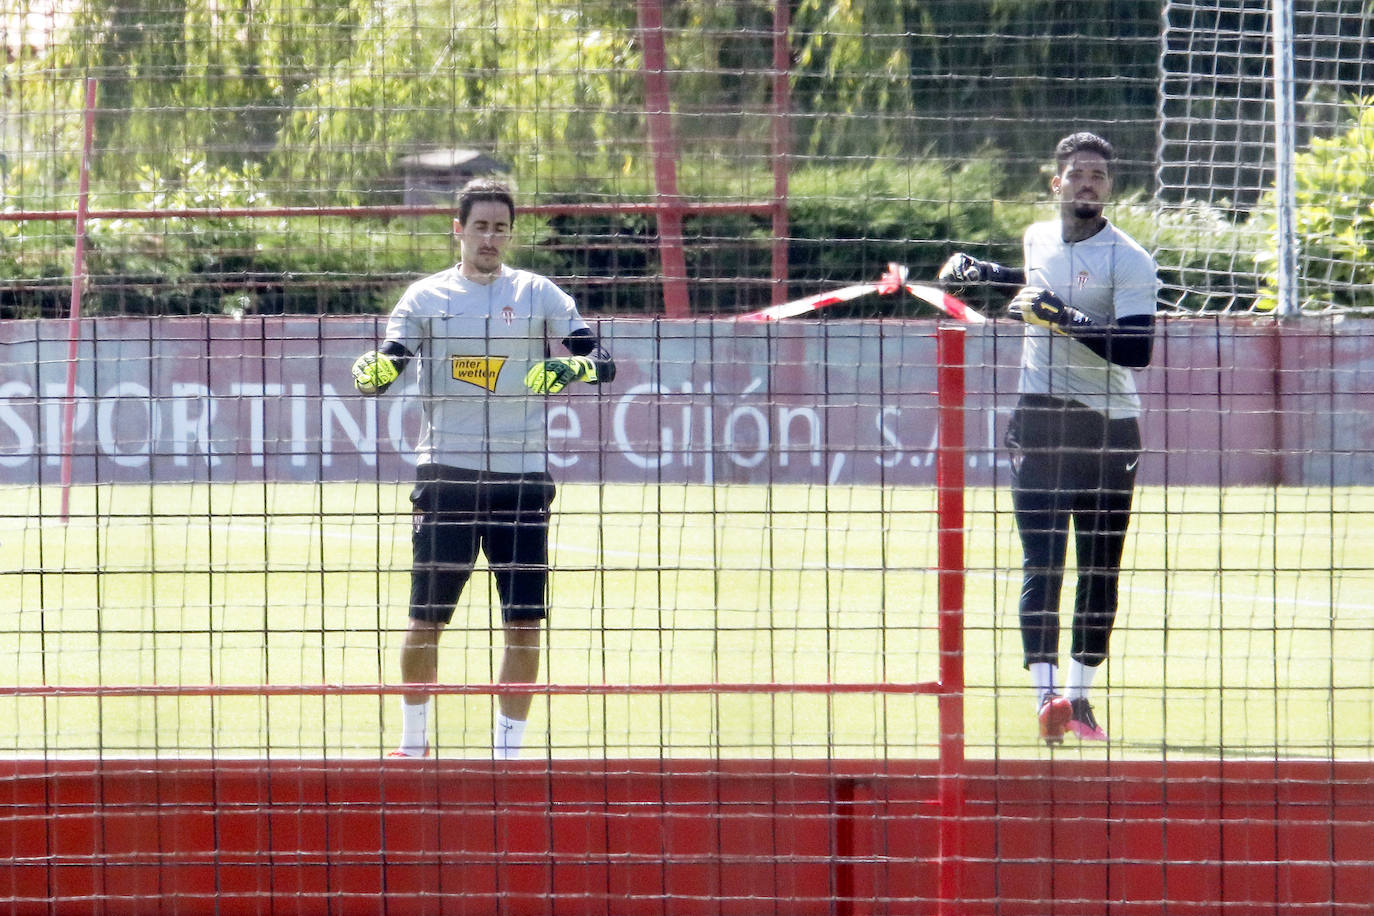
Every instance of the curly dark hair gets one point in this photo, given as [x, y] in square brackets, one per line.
[1081, 141]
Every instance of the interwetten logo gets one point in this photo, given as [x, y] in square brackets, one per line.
[481, 371]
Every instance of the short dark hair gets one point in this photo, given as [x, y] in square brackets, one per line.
[1079, 142]
[480, 189]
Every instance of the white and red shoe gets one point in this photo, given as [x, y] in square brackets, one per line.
[401, 754]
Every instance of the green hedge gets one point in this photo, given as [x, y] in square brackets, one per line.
[845, 225]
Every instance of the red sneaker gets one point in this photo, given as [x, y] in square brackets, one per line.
[402, 754]
[1055, 714]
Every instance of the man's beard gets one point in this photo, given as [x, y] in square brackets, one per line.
[1087, 209]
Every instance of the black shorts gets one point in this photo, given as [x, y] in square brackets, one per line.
[460, 511]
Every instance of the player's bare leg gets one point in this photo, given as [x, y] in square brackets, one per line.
[419, 665]
[519, 665]
[420, 657]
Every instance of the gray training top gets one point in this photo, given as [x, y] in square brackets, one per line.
[1107, 277]
[473, 344]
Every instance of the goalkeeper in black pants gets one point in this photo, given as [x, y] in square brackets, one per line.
[479, 334]
[1087, 295]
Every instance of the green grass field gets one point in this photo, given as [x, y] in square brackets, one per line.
[1244, 627]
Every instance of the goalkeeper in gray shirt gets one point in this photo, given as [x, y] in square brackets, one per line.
[1087, 295]
[479, 335]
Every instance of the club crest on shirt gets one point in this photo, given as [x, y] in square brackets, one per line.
[1083, 278]
[508, 315]
[481, 371]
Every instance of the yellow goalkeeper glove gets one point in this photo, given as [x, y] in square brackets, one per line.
[553, 375]
[373, 373]
[1044, 308]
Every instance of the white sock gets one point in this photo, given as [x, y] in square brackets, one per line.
[414, 728]
[1043, 675]
[507, 735]
[1080, 680]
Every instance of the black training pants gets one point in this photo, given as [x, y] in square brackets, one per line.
[1070, 463]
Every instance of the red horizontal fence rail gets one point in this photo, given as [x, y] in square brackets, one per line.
[388, 211]
[278, 690]
[726, 837]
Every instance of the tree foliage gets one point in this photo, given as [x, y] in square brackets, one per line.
[895, 77]
[327, 96]
[183, 80]
[1334, 178]
[914, 124]
[522, 80]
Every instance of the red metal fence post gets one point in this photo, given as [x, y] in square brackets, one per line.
[782, 144]
[663, 149]
[78, 287]
[949, 483]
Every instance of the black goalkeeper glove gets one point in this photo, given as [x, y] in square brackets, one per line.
[963, 270]
[553, 375]
[1042, 307]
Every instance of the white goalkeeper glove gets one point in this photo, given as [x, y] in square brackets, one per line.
[373, 373]
[553, 375]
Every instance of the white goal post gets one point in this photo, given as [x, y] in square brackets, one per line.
[1246, 86]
